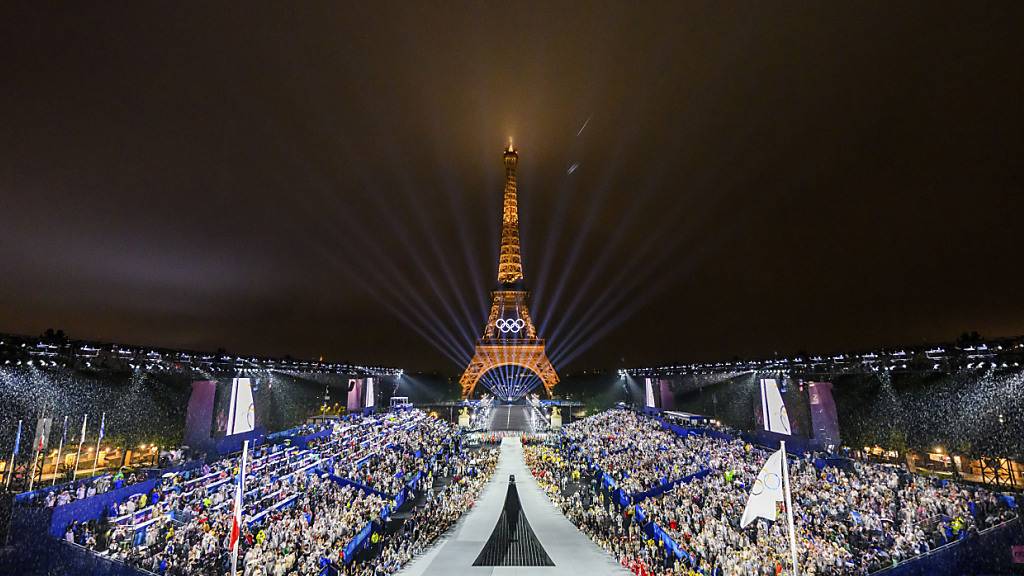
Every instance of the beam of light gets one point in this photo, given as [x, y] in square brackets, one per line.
[467, 319]
[432, 328]
[593, 205]
[628, 283]
[456, 346]
[636, 294]
[510, 382]
[394, 276]
[456, 206]
[597, 308]
[425, 272]
[630, 135]
[597, 268]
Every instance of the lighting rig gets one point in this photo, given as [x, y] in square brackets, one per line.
[33, 351]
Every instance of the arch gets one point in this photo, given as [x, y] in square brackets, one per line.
[531, 357]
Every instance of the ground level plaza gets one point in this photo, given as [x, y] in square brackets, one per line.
[570, 550]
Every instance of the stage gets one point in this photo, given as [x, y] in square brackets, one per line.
[570, 550]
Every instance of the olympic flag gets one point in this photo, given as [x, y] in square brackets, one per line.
[766, 492]
[242, 415]
[772, 484]
[771, 487]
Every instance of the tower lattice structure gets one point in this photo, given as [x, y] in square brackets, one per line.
[510, 337]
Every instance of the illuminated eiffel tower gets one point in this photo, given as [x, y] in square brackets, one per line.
[510, 338]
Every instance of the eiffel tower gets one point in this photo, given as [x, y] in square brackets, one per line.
[510, 338]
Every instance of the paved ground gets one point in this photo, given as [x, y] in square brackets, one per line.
[572, 552]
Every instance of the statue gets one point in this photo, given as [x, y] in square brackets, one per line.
[464, 412]
[556, 417]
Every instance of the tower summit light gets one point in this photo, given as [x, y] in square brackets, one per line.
[510, 338]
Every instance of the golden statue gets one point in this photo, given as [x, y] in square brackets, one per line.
[464, 412]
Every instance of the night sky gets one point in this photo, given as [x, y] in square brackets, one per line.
[750, 178]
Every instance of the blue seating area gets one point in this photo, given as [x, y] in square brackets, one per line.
[665, 507]
[140, 515]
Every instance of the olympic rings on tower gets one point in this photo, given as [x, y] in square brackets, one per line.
[507, 325]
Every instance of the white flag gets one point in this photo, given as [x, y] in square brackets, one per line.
[776, 419]
[85, 423]
[242, 415]
[766, 491]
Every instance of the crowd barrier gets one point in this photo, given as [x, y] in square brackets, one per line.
[361, 540]
[93, 508]
[39, 494]
[985, 552]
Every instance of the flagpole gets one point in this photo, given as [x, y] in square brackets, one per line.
[81, 440]
[40, 446]
[10, 469]
[60, 451]
[789, 507]
[238, 506]
[103, 423]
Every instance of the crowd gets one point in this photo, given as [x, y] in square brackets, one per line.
[447, 496]
[848, 521]
[298, 518]
[86, 488]
[388, 470]
[577, 490]
[635, 450]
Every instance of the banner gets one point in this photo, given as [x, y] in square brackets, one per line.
[668, 401]
[823, 413]
[649, 394]
[355, 395]
[199, 424]
[242, 411]
[369, 393]
[773, 410]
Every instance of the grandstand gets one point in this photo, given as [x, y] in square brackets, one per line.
[357, 480]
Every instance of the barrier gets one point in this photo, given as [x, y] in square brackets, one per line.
[361, 487]
[303, 441]
[179, 469]
[230, 444]
[27, 498]
[685, 431]
[360, 540]
[93, 508]
[985, 552]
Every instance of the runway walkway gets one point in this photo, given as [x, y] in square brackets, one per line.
[511, 417]
[570, 550]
